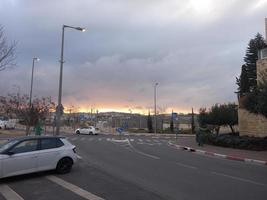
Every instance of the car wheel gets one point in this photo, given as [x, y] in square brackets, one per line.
[64, 165]
[77, 132]
[90, 133]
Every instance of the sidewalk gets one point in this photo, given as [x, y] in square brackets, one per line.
[189, 143]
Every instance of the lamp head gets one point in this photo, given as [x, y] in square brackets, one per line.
[80, 29]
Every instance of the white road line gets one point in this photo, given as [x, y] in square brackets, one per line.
[82, 138]
[131, 140]
[77, 190]
[239, 179]
[8, 193]
[148, 140]
[184, 165]
[140, 140]
[142, 153]
[99, 139]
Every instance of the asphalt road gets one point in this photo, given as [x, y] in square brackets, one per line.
[141, 167]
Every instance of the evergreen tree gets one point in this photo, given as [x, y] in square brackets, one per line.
[193, 122]
[250, 59]
[171, 124]
[149, 123]
[243, 82]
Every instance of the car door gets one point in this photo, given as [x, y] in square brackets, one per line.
[23, 159]
[82, 130]
[49, 153]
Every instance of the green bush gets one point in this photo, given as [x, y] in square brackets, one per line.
[235, 141]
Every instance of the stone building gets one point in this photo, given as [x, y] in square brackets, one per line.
[249, 123]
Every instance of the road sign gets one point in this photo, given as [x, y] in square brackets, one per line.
[174, 115]
[119, 130]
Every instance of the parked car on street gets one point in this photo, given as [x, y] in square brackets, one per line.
[91, 130]
[6, 123]
[36, 153]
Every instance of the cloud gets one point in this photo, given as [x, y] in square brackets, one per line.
[194, 49]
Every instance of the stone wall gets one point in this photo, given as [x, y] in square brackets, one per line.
[251, 124]
[261, 70]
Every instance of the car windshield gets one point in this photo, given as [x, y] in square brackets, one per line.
[5, 144]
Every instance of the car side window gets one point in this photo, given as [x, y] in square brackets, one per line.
[25, 146]
[50, 143]
[59, 143]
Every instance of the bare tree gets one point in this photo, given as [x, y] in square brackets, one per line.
[7, 51]
[18, 106]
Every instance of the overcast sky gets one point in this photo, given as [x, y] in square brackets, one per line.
[192, 48]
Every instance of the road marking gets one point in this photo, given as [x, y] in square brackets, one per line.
[99, 139]
[140, 140]
[77, 190]
[8, 193]
[184, 165]
[148, 140]
[238, 178]
[131, 140]
[91, 139]
[142, 153]
[82, 138]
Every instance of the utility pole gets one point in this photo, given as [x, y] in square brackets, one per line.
[155, 107]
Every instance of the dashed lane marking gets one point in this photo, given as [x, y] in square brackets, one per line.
[8, 193]
[239, 179]
[184, 165]
[77, 190]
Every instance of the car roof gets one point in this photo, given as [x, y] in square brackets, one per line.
[34, 137]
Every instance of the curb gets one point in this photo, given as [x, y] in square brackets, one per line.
[229, 157]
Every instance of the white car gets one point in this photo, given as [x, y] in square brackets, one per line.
[91, 130]
[7, 124]
[36, 153]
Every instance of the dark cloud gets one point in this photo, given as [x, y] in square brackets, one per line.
[194, 49]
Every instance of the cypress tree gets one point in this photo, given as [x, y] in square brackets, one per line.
[149, 123]
[250, 60]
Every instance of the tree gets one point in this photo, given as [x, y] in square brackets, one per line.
[18, 106]
[219, 115]
[193, 122]
[243, 82]
[256, 101]
[149, 123]
[171, 124]
[7, 51]
[251, 58]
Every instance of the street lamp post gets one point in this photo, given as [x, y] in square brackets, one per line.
[33, 61]
[155, 106]
[59, 106]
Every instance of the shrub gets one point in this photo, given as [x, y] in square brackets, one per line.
[235, 141]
